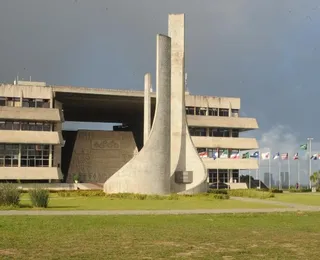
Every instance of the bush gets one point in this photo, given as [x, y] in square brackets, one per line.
[251, 193]
[214, 191]
[39, 197]
[9, 195]
[300, 190]
[276, 191]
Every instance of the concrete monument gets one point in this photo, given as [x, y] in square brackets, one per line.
[149, 171]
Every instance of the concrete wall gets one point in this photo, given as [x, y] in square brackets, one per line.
[97, 155]
[30, 173]
[220, 121]
[225, 142]
[216, 102]
[25, 91]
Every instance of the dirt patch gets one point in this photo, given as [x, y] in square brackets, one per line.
[8, 252]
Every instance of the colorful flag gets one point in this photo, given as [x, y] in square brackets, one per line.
[224, 154]
[314, 157]
[284, 156]
[265, 156]
[276, 156]
[255, 155]
[304, 147]
[235, 156]
[215, 155]
[246, 155]
[296, 157]
[203, 155]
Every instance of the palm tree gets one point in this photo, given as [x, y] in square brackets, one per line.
[315, 178]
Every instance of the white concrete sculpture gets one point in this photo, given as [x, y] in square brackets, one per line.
[149, 171]
[188, 173]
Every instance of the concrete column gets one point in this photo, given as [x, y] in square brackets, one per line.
[50, 155]
[149, 171]
[147, 108]
[184, 156]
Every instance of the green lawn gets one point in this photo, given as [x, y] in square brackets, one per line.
[298, 198]
[241, 236]
[103, 203]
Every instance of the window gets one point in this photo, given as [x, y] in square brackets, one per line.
[215, 174]
[235, 175]
[212, 111]
[2, 101]
[201, 150]
[9, 154]
[34, 155]
[223, 112]
[219, 132]
[235, 132]
[222, 151]
[40, 103]
[13, 102]
[36, 126]
[201, 111]
[198, 131]
[212, 152]
[212, 174]
[190, 110]
[234, 112]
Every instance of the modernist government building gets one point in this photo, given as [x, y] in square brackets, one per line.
[34, 146]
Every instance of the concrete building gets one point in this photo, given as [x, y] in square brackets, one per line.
[202, 139]
[32, 115]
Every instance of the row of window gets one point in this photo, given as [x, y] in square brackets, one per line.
[25, 126]
[222, 175]
[217, 152]
[210, 111]
[213, 132]
[31, 155]
[26, 102]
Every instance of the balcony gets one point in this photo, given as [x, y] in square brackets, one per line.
[225, 142]
[241, 164]
[242, 123]
[30, 173]
[31, 114]
[30, 137]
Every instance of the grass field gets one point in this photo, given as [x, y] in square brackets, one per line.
[298, 198]
[242, 236]
[102, 203]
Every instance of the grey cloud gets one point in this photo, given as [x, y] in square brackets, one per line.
[257, 50]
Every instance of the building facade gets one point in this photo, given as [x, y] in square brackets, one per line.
[31, 143]
[215, 127]
[30, 132]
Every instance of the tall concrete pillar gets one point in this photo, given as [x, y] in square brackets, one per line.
[188, 174]
[149, 171]
[147, 108]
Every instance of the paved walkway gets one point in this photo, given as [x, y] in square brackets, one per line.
[290, 207]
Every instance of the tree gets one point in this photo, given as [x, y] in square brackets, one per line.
[315, 177]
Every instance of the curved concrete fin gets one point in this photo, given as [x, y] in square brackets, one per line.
[146, 108]
[185, 160]
[149, 171]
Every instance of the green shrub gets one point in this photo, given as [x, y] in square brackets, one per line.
[175, 196]
[39, 197]
[219, 196]
[214, 191]
[276, 191]
[251, 193]
[300, 190]
[9, 195]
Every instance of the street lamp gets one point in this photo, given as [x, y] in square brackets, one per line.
[310, 168]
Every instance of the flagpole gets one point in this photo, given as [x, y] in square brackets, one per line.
[259, 170]
[310, 167]
[289, 171]
[299, 172]
[270, 185]
[279, 165]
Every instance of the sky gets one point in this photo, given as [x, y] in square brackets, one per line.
[265, 52]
